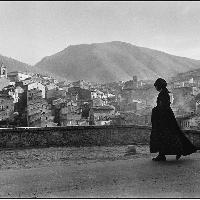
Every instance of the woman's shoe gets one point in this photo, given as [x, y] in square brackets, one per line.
[178, 156]
[159, 158]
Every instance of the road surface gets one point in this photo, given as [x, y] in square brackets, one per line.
[128, 178]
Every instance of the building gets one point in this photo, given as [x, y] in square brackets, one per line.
[99, 96]
[6, 107]
[117, 120]
[82, 84]
[13, 92]
[17, 76]
[145, 83]
[98, 102]
[38, 110]
[4, 81]
[54, 94]
[132, 98]
[189, 121]
[183, 101]
[101, 114]
[66, 112]
[131, 84]
[47, 119]
[29, 85]
[51, 86]
[144, 116]
[58, 111]
[3, 71]
[197, 103]
[128, 106]
[79, 95]
[195, 91]
[133, 118]
[70, 114]
[33, 109]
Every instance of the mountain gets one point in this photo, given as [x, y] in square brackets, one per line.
[14, 65]
[114, 61]
[187, 75]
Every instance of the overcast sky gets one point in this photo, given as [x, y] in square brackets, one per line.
[30, 31]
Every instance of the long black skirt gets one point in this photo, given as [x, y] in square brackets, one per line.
[166, 136]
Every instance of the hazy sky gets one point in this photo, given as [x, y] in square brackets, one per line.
[31, 30]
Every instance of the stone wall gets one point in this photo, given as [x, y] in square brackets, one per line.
[80, 136]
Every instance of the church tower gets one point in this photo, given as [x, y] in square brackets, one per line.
[3, 71]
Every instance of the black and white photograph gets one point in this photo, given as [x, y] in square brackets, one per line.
[99, 99]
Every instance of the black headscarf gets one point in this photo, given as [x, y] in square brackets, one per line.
[161, 84]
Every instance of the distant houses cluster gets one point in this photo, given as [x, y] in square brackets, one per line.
[35, 100]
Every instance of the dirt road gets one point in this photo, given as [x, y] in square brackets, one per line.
[130, 177]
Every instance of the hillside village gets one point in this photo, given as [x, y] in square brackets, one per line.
[35, 100]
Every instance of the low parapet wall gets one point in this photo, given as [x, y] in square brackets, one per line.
[80, 136]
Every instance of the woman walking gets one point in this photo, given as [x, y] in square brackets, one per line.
[166, 137]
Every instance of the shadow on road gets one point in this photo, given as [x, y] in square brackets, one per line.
[170, 164]
[183, 161]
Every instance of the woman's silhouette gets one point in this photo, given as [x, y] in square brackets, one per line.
[166, 137]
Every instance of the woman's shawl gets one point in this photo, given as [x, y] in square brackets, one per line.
[163, 100]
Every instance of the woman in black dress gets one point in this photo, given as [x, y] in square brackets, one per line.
[166, 137]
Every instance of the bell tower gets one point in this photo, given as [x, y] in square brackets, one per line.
[3, 70]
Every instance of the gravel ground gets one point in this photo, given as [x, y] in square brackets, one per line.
[31, 158]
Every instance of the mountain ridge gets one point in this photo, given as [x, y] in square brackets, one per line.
[107, 62]
[13, 64]
[114, 61]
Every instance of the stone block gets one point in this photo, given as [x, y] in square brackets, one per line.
[131, 150]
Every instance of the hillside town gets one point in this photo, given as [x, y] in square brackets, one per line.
[35, 100]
